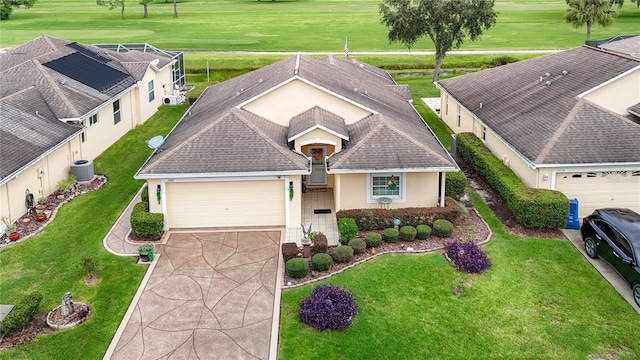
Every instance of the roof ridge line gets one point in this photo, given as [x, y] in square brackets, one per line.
[561, 129]
[188, 140]
[55, 87]
[360, 143]
[243, 116]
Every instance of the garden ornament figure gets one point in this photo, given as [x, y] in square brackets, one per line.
[305, 233]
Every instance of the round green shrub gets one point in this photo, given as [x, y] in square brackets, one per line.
[390, 235]
[423, 232]
[358, 245]
[442, 228]
[373, 239]
[408, 233]
[321, 261]
[343, 253]
[297, 267]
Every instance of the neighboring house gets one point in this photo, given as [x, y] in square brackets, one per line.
[339, 126]
[61, 102]
[569, 121]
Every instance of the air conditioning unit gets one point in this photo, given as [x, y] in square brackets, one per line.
[170, 100]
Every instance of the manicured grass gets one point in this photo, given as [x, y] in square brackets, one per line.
[49, 262]
[286, 25]
[540, 300]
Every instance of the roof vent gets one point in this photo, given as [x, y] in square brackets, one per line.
[564, 72]
[361, 66]
[62, 82]
[237, 93]
[355, 89]
[548, 83]
[155, 62]
[547, 74]
[260, 81]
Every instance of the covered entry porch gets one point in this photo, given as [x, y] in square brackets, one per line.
[315, 199]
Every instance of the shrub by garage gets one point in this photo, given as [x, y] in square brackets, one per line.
[146, 225]
[533, 208]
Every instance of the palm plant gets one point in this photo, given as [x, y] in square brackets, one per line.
[588, 12]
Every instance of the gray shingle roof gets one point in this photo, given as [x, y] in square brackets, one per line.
[314, 118]
[548, 124]
[29, 87]
[629, 46]
[238, 141]
[417, 147]
[27, 134]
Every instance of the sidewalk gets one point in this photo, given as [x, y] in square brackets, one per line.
[116, 239]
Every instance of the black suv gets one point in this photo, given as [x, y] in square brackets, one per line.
[614, 235]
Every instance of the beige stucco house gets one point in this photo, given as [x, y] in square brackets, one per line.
[61, 102]
[241, 153]
[568, 121]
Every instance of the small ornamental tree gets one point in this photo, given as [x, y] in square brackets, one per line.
[468, 256]
[328, 307]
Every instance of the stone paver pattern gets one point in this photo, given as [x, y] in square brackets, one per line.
[210, 295]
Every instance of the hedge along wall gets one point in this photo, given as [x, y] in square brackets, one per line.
[533, 208]
[144, 224]
[455, 184]
[378, 219]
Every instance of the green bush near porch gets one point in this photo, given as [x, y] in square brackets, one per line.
[145, 224]
[533, 208]
[377, 219]
[455, 184]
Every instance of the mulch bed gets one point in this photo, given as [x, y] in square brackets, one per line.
[27, 225]
[472, 225]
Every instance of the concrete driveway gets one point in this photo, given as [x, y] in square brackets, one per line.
[208, 295]
[606, 270]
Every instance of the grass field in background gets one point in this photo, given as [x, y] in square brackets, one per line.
[285, 25]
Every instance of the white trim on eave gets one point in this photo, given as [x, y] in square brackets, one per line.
[530, 163]
[325, 129]
[592, 167]
[614, 79]
[16, 173]
[221, 175]
[398, 170]
[297, 77]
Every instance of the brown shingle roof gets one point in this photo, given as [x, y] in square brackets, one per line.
[238, 141]
[314, 118]
[629, 46]
[516, 102]
[417, 147]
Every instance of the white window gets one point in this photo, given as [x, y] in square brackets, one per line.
[93, 119]
[459, 117]
[82, 135]
[386, 185]
[152, 94]
[484, 133]
[116, 112]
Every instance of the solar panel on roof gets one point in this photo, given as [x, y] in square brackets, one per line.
[84, 69]
[92, 54]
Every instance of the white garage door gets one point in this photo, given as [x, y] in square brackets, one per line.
[224, 204]
[596, 190]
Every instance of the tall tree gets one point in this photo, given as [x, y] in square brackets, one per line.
[175, 8]
[589, 12]
[112, 4]
[621, 2]
[446, 22]
[6, 6]
[144, 3]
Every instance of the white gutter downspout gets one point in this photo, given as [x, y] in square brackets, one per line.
[163, 194]
[443, 182]
[553, 179]
[287, 201]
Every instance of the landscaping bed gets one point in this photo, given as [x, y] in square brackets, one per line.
[473, 226]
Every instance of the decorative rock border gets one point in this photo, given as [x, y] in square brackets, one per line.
[71, 324]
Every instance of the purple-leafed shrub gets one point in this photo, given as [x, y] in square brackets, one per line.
[328, 307]
[468, 256]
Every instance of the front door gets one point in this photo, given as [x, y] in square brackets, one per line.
[318, 174]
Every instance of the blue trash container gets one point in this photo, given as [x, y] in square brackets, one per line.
[573, 220]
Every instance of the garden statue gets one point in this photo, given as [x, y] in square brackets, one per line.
[67, 304]
[305, 233]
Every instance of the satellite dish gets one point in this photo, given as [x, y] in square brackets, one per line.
[155, 62]
[155, 143]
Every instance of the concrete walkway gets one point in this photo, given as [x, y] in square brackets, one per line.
[606, 270]
[207, 295]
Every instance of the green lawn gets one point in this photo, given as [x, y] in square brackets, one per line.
[286, 25]
[540, 300]
[49, 262]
